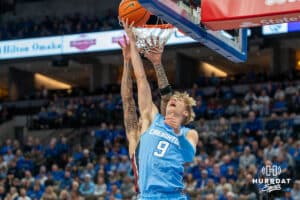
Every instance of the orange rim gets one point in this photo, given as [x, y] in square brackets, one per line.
[161, 26]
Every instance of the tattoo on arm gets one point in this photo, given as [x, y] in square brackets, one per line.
[161, 76]
[129, 107]
[162, 83]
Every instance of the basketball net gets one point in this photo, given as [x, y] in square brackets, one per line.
[151, 37]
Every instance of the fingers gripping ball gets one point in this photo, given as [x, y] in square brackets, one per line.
[134, 12]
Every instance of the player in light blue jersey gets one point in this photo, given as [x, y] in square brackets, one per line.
[165, 144]
[129, 108]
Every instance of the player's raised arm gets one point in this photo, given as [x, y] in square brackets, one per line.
[146, 106]
[155, 56]
[129, 107]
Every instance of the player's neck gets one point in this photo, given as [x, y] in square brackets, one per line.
[174, 123]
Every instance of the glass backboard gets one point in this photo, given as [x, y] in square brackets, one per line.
[185, 15]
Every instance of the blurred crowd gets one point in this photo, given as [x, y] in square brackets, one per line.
[98, 167]
[230, 104]
[51, 26]
[242, 128]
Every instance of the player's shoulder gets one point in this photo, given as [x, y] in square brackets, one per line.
[192, 133]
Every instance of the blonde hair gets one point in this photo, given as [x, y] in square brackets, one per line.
[189, 102]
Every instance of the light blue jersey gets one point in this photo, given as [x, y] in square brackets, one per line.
[160, 161]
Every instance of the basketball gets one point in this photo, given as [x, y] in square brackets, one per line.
[133, 11]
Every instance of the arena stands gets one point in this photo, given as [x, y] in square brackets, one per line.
[51, 26]
[241, 126]
[244, 121]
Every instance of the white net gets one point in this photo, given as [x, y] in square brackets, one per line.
[149, 38]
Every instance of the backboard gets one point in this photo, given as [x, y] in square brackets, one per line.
[186, 18]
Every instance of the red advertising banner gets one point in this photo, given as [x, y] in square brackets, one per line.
[234, 14]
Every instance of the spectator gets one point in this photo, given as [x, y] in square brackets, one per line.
[115, 192]
[23, 195]
[210, 187]
[220, 187]
[125, 166]
[87, 188]
[89, 170]
[249, 191]
[250, 97]
[272, 126]
[101, 187]
[222, 128]
[280, 105]
[28, 177]
[56, 173]
[290, 89]
[36, 192]
[233, 108]
[253, 127]
[75, 191]
[49, 194]
[64, 195]
[2, 192]
[190, 185]
[202, 182]
[287, 195]
[9, 156]
[13, 194]
[127, 188]
[42, 176]
[295, 193]
[279, 94]
[86, 158]
[66, 182]
[247, 158]
[245, 108]
[200, 108]
[264, 99]
[215, 173]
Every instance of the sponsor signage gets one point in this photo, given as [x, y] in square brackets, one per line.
[281, 28]
[234, 14]
[70, 44]
[30, 47]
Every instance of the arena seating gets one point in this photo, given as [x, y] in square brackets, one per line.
[240, 127]
[51, 26]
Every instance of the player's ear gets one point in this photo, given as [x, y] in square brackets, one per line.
[185, 113]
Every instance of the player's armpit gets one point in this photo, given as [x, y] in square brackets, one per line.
[148, 116]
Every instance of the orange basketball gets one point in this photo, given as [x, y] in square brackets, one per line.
[133, 11]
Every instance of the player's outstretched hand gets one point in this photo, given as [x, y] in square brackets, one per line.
[125, 45]
[155, 48]
[128, 29]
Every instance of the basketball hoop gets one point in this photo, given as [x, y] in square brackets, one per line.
[153, 36]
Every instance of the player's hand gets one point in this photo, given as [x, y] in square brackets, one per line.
[155, 49]
[125, 46]
[128, 29]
